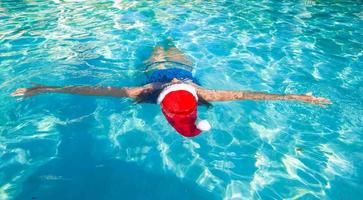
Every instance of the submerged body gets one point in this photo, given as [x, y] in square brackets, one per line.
[171, 84]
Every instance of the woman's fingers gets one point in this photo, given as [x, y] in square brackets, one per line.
[320, 100]
[324, 100]
[19, 92]
[315, 100]
[27, 92]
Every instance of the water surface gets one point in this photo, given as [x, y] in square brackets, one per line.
[55, 146]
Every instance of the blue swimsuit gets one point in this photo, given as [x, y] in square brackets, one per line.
[172, 69]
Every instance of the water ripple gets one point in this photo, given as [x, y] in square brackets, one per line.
[256, 150]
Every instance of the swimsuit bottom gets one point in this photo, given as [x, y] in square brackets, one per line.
[169, 71]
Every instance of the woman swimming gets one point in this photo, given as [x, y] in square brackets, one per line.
[172, 85]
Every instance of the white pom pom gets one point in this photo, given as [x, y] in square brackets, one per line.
[204, 125]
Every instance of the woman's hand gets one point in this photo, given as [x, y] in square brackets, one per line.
[28, 92]
[309, 98]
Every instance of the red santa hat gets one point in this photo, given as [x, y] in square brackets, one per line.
[179, 106]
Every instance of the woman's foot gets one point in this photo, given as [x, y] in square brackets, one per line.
[170, 42]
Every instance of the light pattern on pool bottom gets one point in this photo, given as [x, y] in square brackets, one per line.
[55, 146]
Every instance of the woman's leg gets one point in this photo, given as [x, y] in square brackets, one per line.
[157, 55]
[174, 54]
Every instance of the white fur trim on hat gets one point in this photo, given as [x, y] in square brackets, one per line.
[176, 87]
[204, 125]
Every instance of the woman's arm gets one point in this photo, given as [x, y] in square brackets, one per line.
[227, 95]
[131, 92]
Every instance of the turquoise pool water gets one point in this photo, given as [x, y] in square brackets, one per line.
[55, 146]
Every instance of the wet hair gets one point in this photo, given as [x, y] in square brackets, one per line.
[203, 102]
[148, 96]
